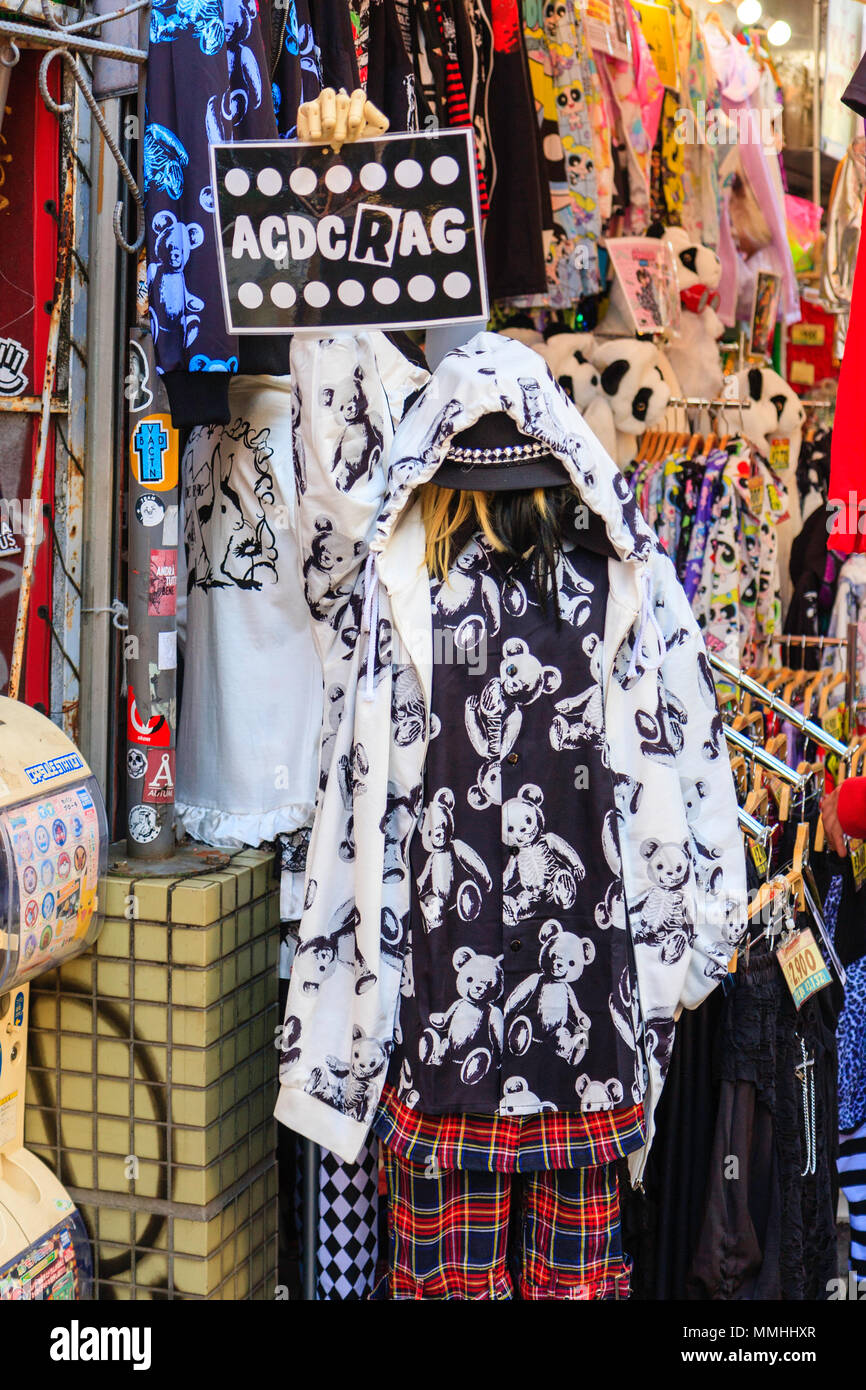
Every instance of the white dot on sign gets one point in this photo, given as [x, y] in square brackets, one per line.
[456, 285]
[408, 173]
[350, 293]
[303, 182]
[386, 290]
[283, 295]
[269, 182]
[250, 295]
[339, 178]
[372, 177]
[316, 294]
[421, 288]
[237, 181]
[444, 169]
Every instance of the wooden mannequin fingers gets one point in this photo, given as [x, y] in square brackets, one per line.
[328, 108]
[309, 125]
[339, 136]
[357, 104]
[375, 122]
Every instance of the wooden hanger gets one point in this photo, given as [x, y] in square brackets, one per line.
[838, 678]
[695, 444]
[778, 678]
[749, 721]
[777, 745]
[741, 776]
[757, 802]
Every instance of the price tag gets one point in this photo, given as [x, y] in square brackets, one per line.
[780, 452]
[833, 723]
[803, 966]
[759, 857]
[857, 850]
[773, 498]
[756, 495]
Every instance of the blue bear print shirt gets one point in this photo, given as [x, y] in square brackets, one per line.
[518, 991]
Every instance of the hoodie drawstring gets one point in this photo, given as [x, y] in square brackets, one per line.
[648, 619]
[370, 622]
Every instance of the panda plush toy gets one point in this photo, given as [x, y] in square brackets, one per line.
[768, 409]
[569, 357]
[694, 354]
[635, 387]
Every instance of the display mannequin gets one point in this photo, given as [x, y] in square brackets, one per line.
[501, 922]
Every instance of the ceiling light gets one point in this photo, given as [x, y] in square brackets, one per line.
[749, 11]
[780, 32]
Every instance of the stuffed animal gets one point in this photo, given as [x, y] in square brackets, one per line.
[693, 354]
[568, 355]
[768, 409]
[634, 384]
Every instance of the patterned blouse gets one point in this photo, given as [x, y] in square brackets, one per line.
[518, 995]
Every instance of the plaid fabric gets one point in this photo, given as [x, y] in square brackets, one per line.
[448, 1234]
[508, 1143]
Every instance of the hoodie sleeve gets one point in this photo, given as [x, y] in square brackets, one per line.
[207, 82]
[348, 396]
[709, 799]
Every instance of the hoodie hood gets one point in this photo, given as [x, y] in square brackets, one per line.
[492, 373]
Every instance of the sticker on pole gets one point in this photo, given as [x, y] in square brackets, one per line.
[384, 234]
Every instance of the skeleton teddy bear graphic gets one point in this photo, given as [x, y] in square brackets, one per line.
[518, 989]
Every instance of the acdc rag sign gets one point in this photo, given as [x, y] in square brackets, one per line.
[384, 234]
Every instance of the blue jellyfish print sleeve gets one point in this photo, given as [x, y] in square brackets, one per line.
[207, 81]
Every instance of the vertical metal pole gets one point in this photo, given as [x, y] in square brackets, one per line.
[151, 639]
[152, 528]
[312, 1158]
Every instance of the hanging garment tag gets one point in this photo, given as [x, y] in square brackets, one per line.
[759, 857]
[803, 966]
[780, 452]
[857, 850]
[773, 498]
[756, 494]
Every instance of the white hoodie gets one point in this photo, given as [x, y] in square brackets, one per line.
[367, 585]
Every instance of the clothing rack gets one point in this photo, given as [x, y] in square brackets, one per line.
[793, 716]
[849, 641]
[759, 754]
[755, 829]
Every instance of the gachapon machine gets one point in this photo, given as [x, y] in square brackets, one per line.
[53, 850]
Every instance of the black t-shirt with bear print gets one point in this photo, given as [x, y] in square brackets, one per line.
[518, 991]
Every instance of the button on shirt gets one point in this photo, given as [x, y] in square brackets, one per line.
[518, 994]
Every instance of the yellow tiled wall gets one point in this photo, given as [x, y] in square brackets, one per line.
[151, 1083]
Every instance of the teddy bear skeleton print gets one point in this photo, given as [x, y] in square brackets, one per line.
[505, 1006]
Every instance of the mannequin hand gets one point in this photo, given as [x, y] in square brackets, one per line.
[832, 828]
[335, 118]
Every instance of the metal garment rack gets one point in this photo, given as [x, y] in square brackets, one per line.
[793, 716]
[759, 754]
[790, 639]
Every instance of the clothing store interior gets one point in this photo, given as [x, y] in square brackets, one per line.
[329, 1016]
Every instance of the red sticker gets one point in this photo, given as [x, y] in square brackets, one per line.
[159, 777]
[153, 732]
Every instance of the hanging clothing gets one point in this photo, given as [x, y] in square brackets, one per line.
[770, 1227]
[517, 954]
[448, 1234]
[371, 612]
[507, 1143]
[250, 662]
[852, 1177]
[559, 65]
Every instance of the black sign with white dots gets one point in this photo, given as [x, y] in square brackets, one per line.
[384, 234]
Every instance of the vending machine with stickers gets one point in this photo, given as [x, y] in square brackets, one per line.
[53, 850]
